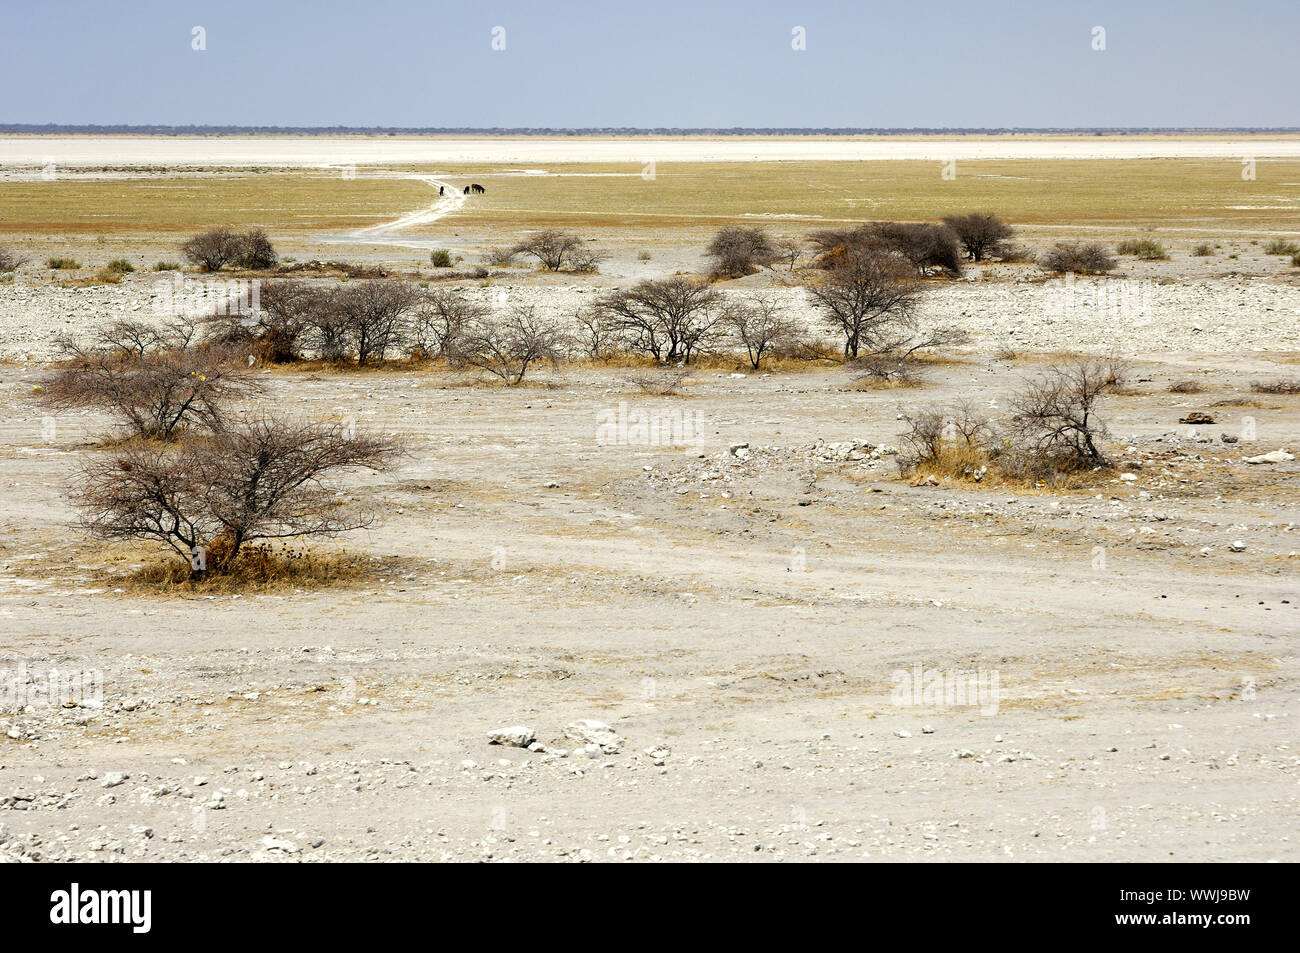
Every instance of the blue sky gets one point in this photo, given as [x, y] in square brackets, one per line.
[667, 63]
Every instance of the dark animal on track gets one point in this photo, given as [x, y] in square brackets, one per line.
[478, 189]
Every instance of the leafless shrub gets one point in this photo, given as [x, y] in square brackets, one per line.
[508, 344]
[1054, 425]
[157, 394]
[555, 249]
[373, 315]
[739, 250]
[1283, 386]
[923, 245]
[982, 234]
[500, 257]
[790, 250]
[670, 319]
[255, 251]
[212, 250]
[870, 298]
[131, 338]
[665, 382]
[887, 370]
[946, 439]
[10, 260]
[1078, 258]
[260, 478]
[1185, 387]
[278, 332]
[598, 335]
[926, 245]
[762, 326]
[440, 322]
[585, 260]
[1014, 253]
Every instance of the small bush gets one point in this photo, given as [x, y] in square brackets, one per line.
[643, 256]
[1076, 257]
[107, 276]
[1280, 246]
[1203, 250]
[1284, 386]
[1295, 260]
[120, 265]
[1147, 249]
[739, 250]
[166, 266]
[555, 249]
[957, 441]
[63, 264]
[254, 250]
[9, 260]
[1185, 387]
[883, 370]
[982, 235]
[440, 258]
[661, 383]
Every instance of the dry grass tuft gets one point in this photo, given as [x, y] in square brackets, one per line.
[259, 569]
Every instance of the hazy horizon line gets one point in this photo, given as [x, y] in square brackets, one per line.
[229, 129]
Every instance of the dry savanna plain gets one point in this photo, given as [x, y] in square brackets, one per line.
[720, 617]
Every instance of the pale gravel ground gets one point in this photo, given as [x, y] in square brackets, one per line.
[745, 615]
[1221, 315]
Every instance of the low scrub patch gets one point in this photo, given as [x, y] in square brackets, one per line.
[1284, 386]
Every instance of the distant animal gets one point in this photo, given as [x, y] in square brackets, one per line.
[442, 189]
[467, 190]
[478, 189]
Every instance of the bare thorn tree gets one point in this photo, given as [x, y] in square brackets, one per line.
[870, 298]
[670, 319]
[212, 250]
[790, 250]
[440, 323]
[554, 249]
[261, 478]
[982, 234]
[1054, 421]
[761, 325]
[507, 345]
[156, 395]
[373, 314]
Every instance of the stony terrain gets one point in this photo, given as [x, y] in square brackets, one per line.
[1020, 310]
[737, 611]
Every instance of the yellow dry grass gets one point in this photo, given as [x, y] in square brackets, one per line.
[1188, 195]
